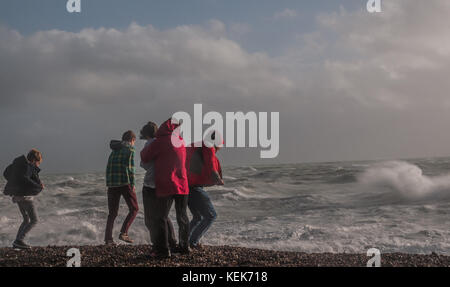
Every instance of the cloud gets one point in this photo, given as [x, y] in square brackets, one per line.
[97, 66]
[382, 77]
[65, 87]
[357, 86]
[396, 58]
[285, 14]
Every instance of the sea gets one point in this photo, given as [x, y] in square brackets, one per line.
[338, 207]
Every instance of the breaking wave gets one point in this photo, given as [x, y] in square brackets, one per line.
[407, 180]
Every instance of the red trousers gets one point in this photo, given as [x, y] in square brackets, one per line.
[114, 194]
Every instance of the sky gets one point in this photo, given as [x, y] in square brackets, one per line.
[348, 84]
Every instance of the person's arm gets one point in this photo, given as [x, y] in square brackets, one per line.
[38, 189]
[209, 161]
[131, 168]
[28, 180]
[145, 165]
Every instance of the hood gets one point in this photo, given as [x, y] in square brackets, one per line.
[117, 145]
[167, 129]
[22, 161]
[213, 139]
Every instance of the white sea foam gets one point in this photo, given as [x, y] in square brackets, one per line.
[66, 211]
[90, 229]
[406, 179]
[4, 219]
[274, 208]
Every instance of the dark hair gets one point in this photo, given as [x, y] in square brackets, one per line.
[34, 155]
[128, 136]
[149, 130]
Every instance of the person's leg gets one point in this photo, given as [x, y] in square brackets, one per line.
[193, 204]
[113, 209]
[32, 213]
[129, 195]
[148, 208]
[172, 239]
[26, 220]
[208, 213]
[181, 202]
[28, 207]
[151, 216]
[163, 205]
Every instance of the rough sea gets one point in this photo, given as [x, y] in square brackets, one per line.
[395, 206]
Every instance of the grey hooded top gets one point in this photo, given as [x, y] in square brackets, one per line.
[149, 179]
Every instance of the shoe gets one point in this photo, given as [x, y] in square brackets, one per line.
[19, 244]
[182, 250]
[110, 243]
[124, 237]
[159, 255]
[173, 249]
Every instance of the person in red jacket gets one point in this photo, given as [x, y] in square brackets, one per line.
[203, 170]
[168, 152]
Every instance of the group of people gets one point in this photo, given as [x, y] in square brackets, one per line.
[174, 173]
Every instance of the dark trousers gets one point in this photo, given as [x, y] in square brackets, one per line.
[30, 218]
[114, 194]
[150, 216]
[203, 213]
[161, 231]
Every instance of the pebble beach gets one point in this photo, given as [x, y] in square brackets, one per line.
[207, 256]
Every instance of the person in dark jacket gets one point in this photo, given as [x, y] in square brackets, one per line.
[203, 168]
[23, 183]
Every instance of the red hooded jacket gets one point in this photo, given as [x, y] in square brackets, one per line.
[201, 163]
[170, 169]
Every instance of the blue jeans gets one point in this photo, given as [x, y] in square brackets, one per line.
[203, 214]
[30, 218]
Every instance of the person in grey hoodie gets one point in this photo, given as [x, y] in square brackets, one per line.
[23, 183]
[149, 190]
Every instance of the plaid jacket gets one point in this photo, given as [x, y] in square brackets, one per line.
[120, 170]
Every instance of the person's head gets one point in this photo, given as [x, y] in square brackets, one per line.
[149, 131]
[129, 137]
[216, 140]
[34, 157]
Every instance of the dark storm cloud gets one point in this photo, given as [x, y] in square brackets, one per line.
[71, 92]
[358, 86]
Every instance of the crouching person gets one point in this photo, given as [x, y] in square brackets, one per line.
[23, 183]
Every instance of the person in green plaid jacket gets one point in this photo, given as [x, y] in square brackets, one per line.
[120, 182]
[120, 169]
